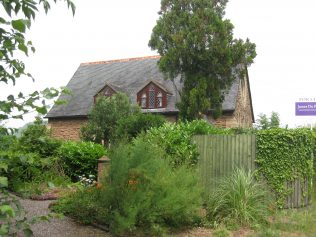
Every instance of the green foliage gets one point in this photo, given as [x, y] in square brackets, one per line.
[267, 123]
[238, 199]
[176, 140]
[104, 117]
[13, 26]
[6, 140]
[197, 43]
[282, 156]
[36, 139]
[142, 192]
[84, 205]
[78, 158]
[130, 126]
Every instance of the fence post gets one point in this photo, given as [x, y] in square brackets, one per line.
[103, 167]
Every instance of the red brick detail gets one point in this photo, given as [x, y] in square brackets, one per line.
[65, 128]
[157, 89]
[122, 60]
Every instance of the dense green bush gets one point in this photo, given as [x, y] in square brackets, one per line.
[80, 158]
[142, 192]
[176, 139]
[130, 126]
[6, 140]
[36, 139]
[239, 200]
[282, 156]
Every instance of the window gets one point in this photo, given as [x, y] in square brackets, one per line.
[152, 96]
[159, 99]
[144, 100]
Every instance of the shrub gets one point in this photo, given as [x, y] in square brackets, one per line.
[78, 158]
[6, 140]
[83, 205]
[36, 139]
[176, 140]
[239, 199]
[142, 192]
[130, 126]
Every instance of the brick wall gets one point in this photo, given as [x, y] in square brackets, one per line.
[67, 129]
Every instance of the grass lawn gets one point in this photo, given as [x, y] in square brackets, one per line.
[291, 223]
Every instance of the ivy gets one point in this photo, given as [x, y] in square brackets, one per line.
[284, 155]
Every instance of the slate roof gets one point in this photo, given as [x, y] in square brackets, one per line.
[128, 75]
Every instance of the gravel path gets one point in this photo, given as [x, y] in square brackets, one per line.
[64, 227]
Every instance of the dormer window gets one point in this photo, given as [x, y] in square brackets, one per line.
[106, 91]
[152, 96]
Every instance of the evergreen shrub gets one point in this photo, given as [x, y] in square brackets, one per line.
[79, 158]
[36, 139]
[141, 193]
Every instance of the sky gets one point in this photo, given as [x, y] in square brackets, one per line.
[284, 31]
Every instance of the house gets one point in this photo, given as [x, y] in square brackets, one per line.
[145, 85]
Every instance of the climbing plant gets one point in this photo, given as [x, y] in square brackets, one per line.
[284, 155]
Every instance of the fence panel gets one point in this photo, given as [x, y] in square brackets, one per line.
[221, 154]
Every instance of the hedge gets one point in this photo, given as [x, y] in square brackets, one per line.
[284, 155]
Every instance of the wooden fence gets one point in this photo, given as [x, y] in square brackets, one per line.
[221, 154]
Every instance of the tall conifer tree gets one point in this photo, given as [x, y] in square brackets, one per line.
[197, 43]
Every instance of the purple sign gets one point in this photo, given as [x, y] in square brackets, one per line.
[305, 108]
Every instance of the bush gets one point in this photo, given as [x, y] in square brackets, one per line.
[6, 140]
[176, 140]
[142, 192]
[78, 158]
[36, 139]
[239, 199]
[129, 127]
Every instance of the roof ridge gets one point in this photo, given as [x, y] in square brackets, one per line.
[122, 60]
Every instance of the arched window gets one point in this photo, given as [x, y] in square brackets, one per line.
[151, 96]
[159, 99]
[144, 100]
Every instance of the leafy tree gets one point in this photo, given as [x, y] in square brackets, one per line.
[196, 43]
[131, 126]
[13, 27]
[263, 122]
[104, 117]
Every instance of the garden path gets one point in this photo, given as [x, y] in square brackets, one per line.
[57, 227]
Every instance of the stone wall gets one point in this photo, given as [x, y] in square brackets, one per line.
[243, 112]
[242, 116]
[65, 128]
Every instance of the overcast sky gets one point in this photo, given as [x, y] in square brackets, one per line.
[283, 30]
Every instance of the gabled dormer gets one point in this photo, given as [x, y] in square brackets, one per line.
[152, 96]
[108, 90]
